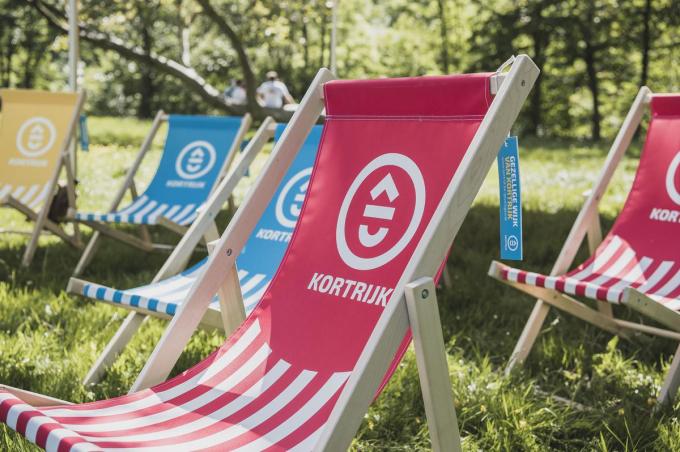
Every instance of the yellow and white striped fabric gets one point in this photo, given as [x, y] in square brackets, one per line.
[33, 128]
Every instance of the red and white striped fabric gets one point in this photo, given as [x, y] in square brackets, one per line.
[642, 249]
[390, 149]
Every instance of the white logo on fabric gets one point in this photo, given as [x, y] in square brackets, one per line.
[36, 136]
[196, 159]
[379, 211]
[287, 213]
[671, 186]
[511, 243]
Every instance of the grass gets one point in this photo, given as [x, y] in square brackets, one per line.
[49, 339]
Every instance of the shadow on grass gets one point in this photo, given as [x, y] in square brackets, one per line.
[49, 340]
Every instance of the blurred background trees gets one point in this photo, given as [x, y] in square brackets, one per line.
[179, 55]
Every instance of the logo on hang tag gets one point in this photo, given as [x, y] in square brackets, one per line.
[195, 160]
[381, 212]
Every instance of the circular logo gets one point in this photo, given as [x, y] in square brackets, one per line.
[289, 202]
[511, 242]
[671, 186]
[388, 200]
[196, 159]
[36, 136]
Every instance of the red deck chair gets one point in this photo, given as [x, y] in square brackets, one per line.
[399, 164]
[638, 263]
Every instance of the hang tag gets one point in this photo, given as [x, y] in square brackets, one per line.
[510, 200]
[84, 134]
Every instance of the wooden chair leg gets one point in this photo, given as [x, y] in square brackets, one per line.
[423, 313]
[447, 279]
[672, 381]
[33, 243]
[88, 254]
[529, 335]
[594, 235]
[130, 325]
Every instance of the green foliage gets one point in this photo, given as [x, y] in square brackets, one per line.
[579, 390]
[593, 54]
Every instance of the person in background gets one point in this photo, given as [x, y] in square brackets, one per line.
[236, 94]
[273, 93]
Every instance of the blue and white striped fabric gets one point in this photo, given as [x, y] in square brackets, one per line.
[260, 257]
[195, 153]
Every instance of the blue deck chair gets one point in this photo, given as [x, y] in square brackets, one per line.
[198, 150]
[256, 264]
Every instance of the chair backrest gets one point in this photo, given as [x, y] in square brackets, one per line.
[267, 244]
[32, 133]
[649, 222]
[195, 154]
[389, 150]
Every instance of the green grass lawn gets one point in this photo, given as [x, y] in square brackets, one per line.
[49, 339]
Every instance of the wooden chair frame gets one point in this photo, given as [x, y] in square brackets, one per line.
[40, 217]
[587, 226]
[144, 242]
[413, 303]
[203, 228]
[397, 316]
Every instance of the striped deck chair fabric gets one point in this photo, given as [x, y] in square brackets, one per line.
[642, 249]
[195, 153]
[389, 151]
[34, 126]
[258, 261]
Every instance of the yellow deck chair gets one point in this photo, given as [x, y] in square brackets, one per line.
[36, 128]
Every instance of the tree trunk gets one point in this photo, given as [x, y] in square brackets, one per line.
[540, 43]
[237, 44]
[29, 48]
[8, 57]
[444, 34]
[305, 48]
[593, 86]
[590, 58]
[646, 41]
[146, 86]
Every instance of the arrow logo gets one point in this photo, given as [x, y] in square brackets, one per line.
[387, 186]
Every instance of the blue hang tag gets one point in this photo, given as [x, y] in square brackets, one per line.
[84, 134]
[510, 200]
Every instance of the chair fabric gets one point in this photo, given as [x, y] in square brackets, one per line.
[258, 261]
[196, 150]
[34, 126]
[389, 150]
[641, 250]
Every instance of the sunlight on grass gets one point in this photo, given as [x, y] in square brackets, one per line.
[49, 339]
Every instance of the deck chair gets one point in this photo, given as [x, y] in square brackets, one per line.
[399, 164]
[198, 151]
[35, 134]
[638, 262]
[256, 264]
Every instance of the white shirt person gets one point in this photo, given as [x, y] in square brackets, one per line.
[274, 92]
[236, 94]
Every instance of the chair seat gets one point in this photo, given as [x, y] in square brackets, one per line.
[145, 210]
[165, 296]
[31, 196]
[244, 397]
[614, 267]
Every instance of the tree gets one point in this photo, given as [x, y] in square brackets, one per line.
[187, 74]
